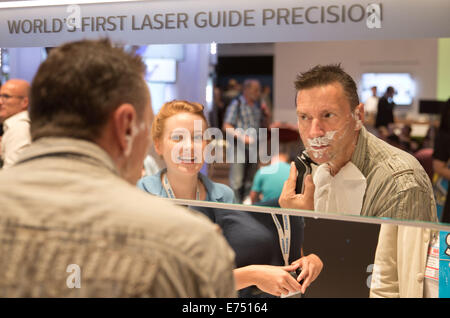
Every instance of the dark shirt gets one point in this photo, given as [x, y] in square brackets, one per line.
[254, 238]
[385, 113]
[442, 153]
[252, 235]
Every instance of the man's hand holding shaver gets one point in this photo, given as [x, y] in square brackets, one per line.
[291, 200]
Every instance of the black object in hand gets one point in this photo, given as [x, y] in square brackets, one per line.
[303, 165]
[296, 274]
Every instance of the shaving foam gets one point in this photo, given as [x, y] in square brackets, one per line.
[320, 142]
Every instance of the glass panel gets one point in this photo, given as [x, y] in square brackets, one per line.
[345, 242]
[412, 130]
[358, 260]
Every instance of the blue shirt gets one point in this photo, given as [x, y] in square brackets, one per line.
[215, 192]
[269, 180]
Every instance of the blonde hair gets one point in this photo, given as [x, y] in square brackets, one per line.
[172, 108]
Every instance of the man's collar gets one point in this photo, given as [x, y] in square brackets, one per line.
[358, 157]
[48, 146]
[11, 119]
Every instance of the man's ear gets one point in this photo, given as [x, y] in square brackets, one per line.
[124, 118]
[25, 103]
[359, 116]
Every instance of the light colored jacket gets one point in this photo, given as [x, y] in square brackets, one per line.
[64, 205]
[399, 188]
[400, 261]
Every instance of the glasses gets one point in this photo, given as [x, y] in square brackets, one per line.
[5, 97]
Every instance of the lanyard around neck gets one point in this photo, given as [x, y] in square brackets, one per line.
[284, 234]
[169, 191]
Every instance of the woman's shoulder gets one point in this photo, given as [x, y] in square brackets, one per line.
[218, 191]
[228, 193]
[151, 184]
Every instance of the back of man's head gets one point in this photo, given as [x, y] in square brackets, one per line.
[322, 75]
[80, 84]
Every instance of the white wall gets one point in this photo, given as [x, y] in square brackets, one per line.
[192, 78]
[192, 73]
[418, 57]
[24, 62]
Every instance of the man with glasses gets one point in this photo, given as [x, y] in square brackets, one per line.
[14, 103]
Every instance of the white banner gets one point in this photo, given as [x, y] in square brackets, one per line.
[37, 23]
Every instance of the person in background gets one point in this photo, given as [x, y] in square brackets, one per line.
[385, 112]
[269, 180]
[441, 156]
[257, 249]
[371, 107]
[244, 115]
[217, 112]
[405, 140]
[232, 91]
[72, 222]
[14, 102]
[394, 141]
[266, 96]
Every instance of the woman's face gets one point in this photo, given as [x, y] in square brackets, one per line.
[182, 144]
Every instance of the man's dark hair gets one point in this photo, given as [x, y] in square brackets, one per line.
[80, 84]
[328, 74]
[390, 89]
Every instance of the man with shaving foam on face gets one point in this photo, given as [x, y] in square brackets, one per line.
[357, 173]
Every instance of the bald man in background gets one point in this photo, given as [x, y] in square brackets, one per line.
[14, 101]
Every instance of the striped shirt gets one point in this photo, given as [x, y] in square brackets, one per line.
[397, 185]
[241, 115]
[65, 207]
